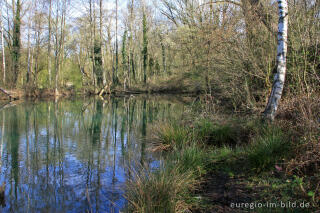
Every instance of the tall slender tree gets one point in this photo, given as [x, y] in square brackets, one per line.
[115, 78]
[16, 45]
[279, 77]
[145, 44]
[3, 48]
[131, 48]
[101, 42]
[49, 43]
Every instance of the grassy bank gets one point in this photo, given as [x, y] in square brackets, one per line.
[210, 163]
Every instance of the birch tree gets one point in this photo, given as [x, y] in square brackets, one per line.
[279, 77]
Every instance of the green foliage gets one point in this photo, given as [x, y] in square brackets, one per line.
[71, 73]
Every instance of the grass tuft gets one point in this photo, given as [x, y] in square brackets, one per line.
[169, 136]
[164, 190]
[268, 148]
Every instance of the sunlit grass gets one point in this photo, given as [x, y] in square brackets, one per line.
[169, 136]
[164, 190]
[192, 151]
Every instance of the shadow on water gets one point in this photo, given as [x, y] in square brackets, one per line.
[75, 156]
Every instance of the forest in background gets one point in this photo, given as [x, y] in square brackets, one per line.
[226, 48]
[225, 52]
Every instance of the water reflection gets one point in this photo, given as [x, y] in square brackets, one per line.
[74, 156]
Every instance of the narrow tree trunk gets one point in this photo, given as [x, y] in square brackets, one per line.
[117, 52]
[37, 38]
[145, 46]
[93, 47]
[3, 50]
[279, 78]
[57, 52]
[163, 53]
[29, 54]
[16, 45]
[92, 37]
[104, 80]
[62, 38]
[124, 58]
[49, 44]
[130, 55]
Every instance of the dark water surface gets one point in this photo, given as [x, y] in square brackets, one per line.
[75, 155]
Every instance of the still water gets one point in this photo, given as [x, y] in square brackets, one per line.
[75, 155]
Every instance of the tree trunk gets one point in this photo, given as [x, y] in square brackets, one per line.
[3, 50]
[117, 51]
[57, 51]
[37, 41]
[92, 38]
[16, 45]
[130, 55]
[29, 54]
[104, 79]
[145, 46]
[49, 44]
[279, 78]
[163, 53]
[62, 38]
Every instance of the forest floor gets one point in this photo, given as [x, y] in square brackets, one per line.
[214, 162]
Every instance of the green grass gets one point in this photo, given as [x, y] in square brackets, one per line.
[159, 191]
[239, 148]
[190, 159]
[267, 149]
[215, 134]
[171, 136]
[169, 188]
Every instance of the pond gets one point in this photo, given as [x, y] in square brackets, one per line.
[76, 155]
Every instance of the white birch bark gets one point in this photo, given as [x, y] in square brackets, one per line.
[279, 78]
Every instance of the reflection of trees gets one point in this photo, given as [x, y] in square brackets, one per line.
[13, 141]
[143, 130]
[70, 145]
[96, 123]
[2, 138]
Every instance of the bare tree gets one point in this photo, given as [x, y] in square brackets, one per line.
[3, 49]
[49, 43]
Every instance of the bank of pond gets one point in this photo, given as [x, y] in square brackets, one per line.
[141, 153]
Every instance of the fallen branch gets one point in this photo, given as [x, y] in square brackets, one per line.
[7, 93]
